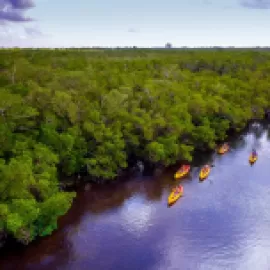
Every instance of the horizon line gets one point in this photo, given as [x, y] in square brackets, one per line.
[139, 47]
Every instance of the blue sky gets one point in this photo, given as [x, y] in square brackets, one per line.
[65, 23]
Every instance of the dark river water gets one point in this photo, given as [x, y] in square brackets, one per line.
[221, 223]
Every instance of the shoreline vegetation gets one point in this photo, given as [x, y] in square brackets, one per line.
[99, 112]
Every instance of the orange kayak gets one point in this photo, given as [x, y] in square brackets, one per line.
[223, 149]
[205, 172]
[175, 194]
[253, 159]
[183, 171]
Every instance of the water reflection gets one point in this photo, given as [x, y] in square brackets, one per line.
[222, 223]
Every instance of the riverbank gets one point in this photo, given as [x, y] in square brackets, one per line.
[150, 169]
[83, 182]
[214, 221]
[76, 182]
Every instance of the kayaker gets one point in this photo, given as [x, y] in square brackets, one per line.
[254, 153]
[206, 168]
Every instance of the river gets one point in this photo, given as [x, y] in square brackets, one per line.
[220, 223]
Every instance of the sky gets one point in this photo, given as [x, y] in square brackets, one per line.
[142, 23]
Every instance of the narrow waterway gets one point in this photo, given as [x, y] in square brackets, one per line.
[221, 223]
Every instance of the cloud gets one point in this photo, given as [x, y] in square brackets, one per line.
[256, 4]
[13, 16]
[132, 30]
[18, 35]
[13, 10]
[21, 4]
[32, 32]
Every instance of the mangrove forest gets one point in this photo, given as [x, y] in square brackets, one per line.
[98, 112]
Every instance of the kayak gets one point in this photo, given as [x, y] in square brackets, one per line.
[253, 159]
[175, 195]
[204, 172]
[183, 171]
[223, 149]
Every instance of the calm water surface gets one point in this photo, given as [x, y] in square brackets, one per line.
[221, 223]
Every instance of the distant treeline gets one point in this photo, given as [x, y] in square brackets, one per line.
[97, 111]
[155, 48]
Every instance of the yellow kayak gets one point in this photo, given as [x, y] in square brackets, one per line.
[223, 149]
[205, 172]
[253, 159]
[175, 194]
[183, 171]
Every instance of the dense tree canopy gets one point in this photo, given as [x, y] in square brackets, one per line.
[75, 110]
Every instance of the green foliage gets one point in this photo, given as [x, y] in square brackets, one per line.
[57, 205]
[67, 111]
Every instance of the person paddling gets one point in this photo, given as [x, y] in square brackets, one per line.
[206, 168]
[176, 190]
[254, 153]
